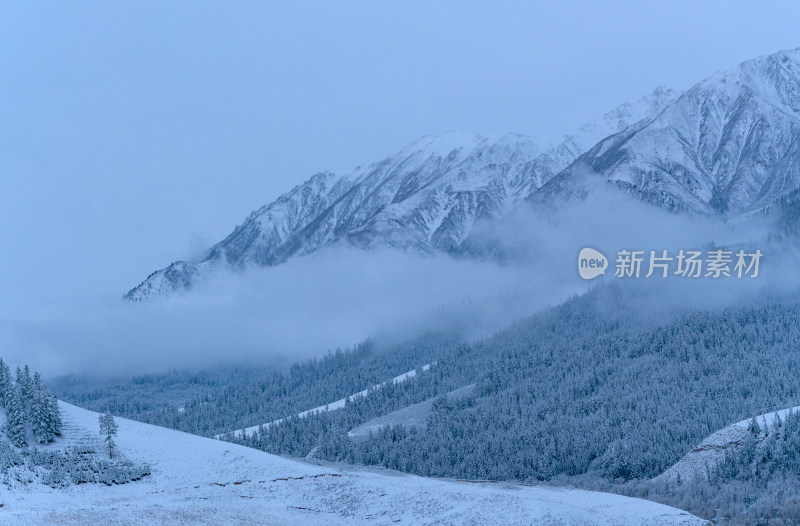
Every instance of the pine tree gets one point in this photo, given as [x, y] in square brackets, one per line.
[754, 428]
[40, 413]
[16, 427]
[5, 381]
[54, 414]
[24, 384]
[108, 427]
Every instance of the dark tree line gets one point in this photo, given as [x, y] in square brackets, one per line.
[209, 402]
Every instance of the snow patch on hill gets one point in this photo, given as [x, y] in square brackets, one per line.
[412, 416]
[338, 404]
[712, 450]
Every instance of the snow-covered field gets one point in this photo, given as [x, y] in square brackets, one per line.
[711, 451]
[196, 480]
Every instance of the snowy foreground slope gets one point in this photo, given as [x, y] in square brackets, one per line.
[712, 450]
[202, 481]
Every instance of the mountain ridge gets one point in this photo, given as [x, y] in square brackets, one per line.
[728, 146]
[424, 199]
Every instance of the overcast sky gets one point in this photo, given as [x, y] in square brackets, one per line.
[133, 134]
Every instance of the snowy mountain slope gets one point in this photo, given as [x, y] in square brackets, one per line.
[730, 145]
[425, 198]
[412, 416]
[332, 406]
[202, 481]
[712, 450]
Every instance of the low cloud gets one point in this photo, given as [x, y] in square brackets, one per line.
[279, 315]
[338, 297]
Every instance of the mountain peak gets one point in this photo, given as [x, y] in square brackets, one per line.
[623, 116]
[729, 145]
[445, 143]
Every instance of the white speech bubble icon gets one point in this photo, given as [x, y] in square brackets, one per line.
[591, 263]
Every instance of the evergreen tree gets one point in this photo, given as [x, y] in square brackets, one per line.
[5, 381]
[24, 384]
[754, 428]
[16, 427]
[108, 427]
[42, 421]
[54, 414]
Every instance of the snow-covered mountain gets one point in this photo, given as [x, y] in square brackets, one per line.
[730, 145]
[425, 198]
[197, 481]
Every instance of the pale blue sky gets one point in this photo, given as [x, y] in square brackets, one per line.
[133, 134]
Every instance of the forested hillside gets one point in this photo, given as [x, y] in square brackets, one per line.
[583, 398]
[600, 391]
[574, 391]
[757, 482]
[216, 401]
[154, 398]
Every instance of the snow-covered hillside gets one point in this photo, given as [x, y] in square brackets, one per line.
[332, 406]
[426, 197]
[412, 416]
[729, 145]
[196, 480]
[712, 450]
